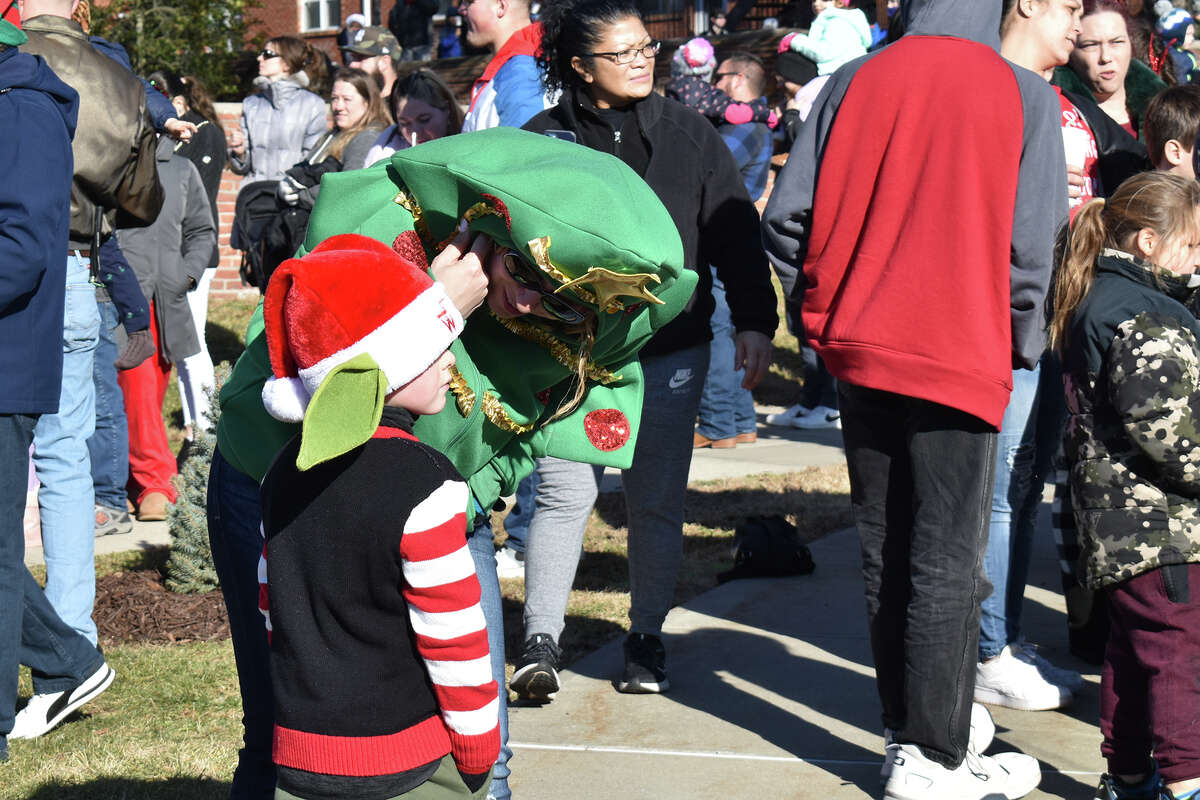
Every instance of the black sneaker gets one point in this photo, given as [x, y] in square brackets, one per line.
[537, 677]
[645, 665]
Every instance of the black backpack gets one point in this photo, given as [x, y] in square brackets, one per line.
[256, 208]
[768, 547]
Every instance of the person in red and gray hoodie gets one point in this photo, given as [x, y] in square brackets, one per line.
[922, 213]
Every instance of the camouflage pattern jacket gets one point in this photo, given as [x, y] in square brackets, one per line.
[1132, 374]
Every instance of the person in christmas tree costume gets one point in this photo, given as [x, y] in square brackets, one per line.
[583, 264]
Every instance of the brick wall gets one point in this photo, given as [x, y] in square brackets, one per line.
[226, 281]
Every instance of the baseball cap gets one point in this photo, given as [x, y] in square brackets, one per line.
[374, 41]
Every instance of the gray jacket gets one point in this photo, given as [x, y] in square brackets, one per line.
[170, 256]
[281, 123]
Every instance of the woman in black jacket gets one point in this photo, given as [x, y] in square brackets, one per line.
[599, 54]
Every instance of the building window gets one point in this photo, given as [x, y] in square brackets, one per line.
[321, 14]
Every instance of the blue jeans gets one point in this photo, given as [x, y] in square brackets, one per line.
[726, 409]
[483, 552]
[516, 524]
[30, 632]
[63, 465]
[920, 485]
[237, 543]
[1015, 498]
[109, 445]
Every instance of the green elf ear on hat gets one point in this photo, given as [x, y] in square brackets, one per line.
[346, 325]
[11, 35]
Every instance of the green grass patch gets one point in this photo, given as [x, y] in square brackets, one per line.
[168, 727]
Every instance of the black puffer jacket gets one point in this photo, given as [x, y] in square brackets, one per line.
[687, 164]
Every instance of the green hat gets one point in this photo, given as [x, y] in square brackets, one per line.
[11, 35]
[374, 41]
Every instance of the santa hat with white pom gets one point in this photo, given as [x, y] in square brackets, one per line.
[350, 296]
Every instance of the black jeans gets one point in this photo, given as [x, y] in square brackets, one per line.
[30, 632]
[921, 485]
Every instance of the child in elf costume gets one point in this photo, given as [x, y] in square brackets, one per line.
[573, 228]
[379, 654]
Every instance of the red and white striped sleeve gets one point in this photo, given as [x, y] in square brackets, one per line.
[264, 591]
[442, 594]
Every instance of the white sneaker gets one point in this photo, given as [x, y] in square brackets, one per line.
[510, 563]
[1029, 653]
[45, 711]
[983, 730]
[786, 418]
[1010, 682]
[819, 417]
[1004, 776]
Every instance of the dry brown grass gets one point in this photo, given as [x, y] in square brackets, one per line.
[816, 499]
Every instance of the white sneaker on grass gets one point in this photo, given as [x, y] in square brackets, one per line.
[510, 563]
[983, 730]
[787, 417]
[1013, 683]
[1004, 776]
[45, 711]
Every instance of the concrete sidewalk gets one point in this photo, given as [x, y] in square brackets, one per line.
[772, 695]
[772, 686]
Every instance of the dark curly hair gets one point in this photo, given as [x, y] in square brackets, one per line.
[571, 28]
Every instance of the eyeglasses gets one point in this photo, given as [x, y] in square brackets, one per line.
[721, 75]
[267, 53]
[555, 306]
[648, 51]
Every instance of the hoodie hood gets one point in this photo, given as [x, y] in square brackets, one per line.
[978, 20]
[24, 71]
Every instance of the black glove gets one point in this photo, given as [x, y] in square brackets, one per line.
[138, 347]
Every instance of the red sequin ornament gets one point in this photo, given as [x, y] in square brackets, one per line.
[408, 246]
[607, 429]
[500, 208]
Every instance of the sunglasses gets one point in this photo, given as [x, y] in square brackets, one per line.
[526, 277]
[267, 53]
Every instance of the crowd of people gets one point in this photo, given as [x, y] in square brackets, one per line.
[993, 290]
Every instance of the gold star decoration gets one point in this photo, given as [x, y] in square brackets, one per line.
[609, 285]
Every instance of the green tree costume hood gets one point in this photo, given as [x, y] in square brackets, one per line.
[585, 220]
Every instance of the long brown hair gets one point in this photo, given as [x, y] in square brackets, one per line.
[1159, 201]
[198, 99]
[428, 87]
[300, 57]
[368, 90]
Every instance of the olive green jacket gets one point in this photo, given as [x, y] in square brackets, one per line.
[114, 143]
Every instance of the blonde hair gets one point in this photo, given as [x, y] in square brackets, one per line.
[1158, 201]
[375, 115]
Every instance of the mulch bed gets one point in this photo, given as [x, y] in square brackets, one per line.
[136, 607]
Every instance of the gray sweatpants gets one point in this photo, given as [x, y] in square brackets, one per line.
[655, 486]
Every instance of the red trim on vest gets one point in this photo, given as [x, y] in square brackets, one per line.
[383, 432]
[362, 755]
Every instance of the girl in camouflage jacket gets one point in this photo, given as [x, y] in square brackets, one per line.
[1131, 359]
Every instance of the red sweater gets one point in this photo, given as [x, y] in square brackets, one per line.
[908, 262]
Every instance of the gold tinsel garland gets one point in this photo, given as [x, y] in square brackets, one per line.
[557, 349]
[493, 409]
